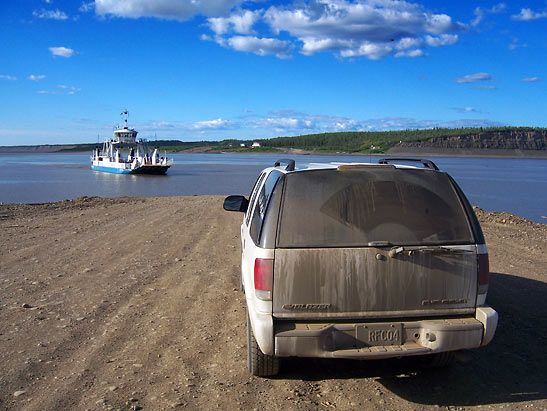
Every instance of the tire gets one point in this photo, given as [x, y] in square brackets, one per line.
[258, 363]
[439, 360]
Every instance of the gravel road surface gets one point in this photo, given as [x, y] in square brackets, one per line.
[133, 303]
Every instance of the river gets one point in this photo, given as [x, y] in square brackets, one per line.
[518, 186]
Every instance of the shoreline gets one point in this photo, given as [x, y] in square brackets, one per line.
[500, 215]
[396, 152]
[493, 215]
[469, 153]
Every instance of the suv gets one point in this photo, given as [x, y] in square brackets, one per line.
[361, 261]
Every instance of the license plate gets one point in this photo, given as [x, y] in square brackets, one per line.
[380, 334]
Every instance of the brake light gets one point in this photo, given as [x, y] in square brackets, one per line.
[263, 277]
[483, 275]
[483, 269]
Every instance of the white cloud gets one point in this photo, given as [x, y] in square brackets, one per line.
[473, 78]
[515, 44]
[285, 123]
[370, 28]
[465, 110]
[36, 78]
[218, 124]
[531, 79]
[50, 14]
[260, 46]
[62, 51]
[71, 90]
[498, 8]
[485, 87]
[373, 51]
[468, 123]
[410, 53]
[85, 7]
[240, 22]
[439, 24]
[165, 9]
[397, 123]
[293, 123]
[65, 90]
[313, 45]
[407, 43]
[480, 12]
[349, 28]
[529, 15]
[7, 77]
[442, 40]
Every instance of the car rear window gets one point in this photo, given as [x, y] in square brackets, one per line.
[352, 207]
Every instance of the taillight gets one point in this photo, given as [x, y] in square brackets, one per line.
[483, 275]
[483, 269]
[263, 278]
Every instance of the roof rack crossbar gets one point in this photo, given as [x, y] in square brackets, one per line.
[290, 163]
[426, 163]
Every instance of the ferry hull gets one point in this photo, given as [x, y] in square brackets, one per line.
[111, 169]
[145, 169]
[149, 169]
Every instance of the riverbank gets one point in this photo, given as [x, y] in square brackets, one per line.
[404, 151]
[469, 152]
[395, 152]
[112, 303]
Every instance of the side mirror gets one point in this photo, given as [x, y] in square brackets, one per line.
[236, 203]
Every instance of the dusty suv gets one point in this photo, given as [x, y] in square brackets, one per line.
[361, 261]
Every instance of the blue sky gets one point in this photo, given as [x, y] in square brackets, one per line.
[217, 69]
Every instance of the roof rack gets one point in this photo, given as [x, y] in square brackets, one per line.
[426, 163]
[290, 163]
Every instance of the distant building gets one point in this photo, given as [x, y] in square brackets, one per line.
[242, 145]
[255, 144]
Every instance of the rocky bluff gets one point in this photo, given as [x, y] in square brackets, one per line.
[500, 139]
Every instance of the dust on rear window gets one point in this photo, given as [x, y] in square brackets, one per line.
[333, 208]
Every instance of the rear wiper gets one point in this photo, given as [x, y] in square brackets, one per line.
[426, 248]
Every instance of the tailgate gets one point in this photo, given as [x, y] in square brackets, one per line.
[318, 283]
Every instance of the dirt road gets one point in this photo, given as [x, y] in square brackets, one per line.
[133, 304]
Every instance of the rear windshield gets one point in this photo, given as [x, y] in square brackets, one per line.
[350, 208]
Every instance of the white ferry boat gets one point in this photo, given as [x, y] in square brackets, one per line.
[138, 161]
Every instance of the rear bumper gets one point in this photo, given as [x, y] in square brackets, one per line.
[342, 340]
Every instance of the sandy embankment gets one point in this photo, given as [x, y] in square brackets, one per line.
[121, 303]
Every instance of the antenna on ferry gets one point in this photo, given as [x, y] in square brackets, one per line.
[126, 114]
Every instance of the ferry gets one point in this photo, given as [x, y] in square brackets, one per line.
[139, 160]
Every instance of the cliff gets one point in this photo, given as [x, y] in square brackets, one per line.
[512, 139]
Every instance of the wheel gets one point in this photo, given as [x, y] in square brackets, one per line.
[258, 363]
[438, 360]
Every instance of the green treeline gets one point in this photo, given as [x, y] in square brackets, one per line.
[378, 141]
[346, 142]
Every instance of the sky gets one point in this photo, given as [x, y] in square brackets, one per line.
[220, 69]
